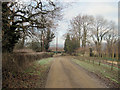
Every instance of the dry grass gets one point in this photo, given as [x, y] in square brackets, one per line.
[24, 50]
[14, 64]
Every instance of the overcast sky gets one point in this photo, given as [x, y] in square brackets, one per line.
[106, 8]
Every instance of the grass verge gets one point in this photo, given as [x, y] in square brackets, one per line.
[34, 76]
[111, 77]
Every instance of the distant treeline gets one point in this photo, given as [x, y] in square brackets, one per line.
[87, 33]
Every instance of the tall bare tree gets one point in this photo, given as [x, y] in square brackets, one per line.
[87, 22]
[111, 39]
[76, 27]
[80, 27]
[100, 29]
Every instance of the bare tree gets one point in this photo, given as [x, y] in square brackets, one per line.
[76, 27]
[80, 27]
[100, 29]
[87, 22]
[111, 39]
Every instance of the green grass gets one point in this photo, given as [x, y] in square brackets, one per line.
[102, 70]
[105, 65]
[44, 61]
[38, 66]
[96, 61]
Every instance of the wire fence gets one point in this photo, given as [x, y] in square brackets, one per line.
[107, 62]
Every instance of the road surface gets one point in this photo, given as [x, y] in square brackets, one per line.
[65, 74]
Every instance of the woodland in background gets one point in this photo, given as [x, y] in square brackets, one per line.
[95, 35]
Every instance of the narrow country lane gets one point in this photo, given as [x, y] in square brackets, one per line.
[64, 74]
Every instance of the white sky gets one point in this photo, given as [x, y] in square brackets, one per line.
[106, 8]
